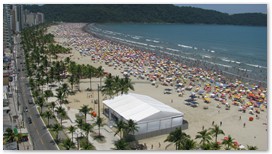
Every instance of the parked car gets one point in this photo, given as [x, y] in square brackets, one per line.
[30, 102]
[26, 109]
[29, 120]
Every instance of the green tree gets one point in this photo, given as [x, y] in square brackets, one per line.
[85, 109]
[100, 74]
[49, 116]
[188, 144]
[56, 128]
[61, 113]
[52, 105]
[177, 137]
[121, 145]
[87, 128]
[72, 81]
[215, 131]
[132, 126]
[65, 89]
[68, 144]
[99, 122]
[41, 103]
[60, 96]
[205, 137]
[90, 73]
[71, 130]
[108, 88]
[125, 85]
[47, 94]
[10, 136]
[80, 123]
[120, 126]
[228, 142]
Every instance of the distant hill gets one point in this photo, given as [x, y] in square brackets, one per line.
[143, 13]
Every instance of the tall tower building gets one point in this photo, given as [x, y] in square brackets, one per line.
[7, 24]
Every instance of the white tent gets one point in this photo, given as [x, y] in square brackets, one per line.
[149, 114]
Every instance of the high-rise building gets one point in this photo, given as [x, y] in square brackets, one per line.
[39, 18]
[33, 18]
[7, 24]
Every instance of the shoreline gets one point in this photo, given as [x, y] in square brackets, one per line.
[191, 62]
[197, 117]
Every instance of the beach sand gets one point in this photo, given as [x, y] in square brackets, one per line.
[253, 134]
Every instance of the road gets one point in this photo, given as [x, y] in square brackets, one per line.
[40, 136]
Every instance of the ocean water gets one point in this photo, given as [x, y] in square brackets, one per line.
[240, 50]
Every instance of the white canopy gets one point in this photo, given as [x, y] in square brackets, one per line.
[141, 108]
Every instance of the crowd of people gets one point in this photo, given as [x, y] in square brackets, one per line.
[162, 70]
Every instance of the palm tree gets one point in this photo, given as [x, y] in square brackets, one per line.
[87, 128]
[78, 74]
[85, 109]
[215, 131]
[61, 113]
[48, 115]
[86, 146]
[131, 127]
[188, 144]
[116, 84]
[252, 147]
[177, 137]
[121, 145]
[52, 105]
[72, 81]
[125, 85]
[120, 126]
[68, 144]
[47, 94]
[71, 130]
[56, 128]
[100, 73]
[99, 122]
[60, 96]
[229, 142]
[205, 137]
[10, 136]
[65, 89]
[90, 73]
[79, 123]
[41, 103]
[215, 146]
[108, 88]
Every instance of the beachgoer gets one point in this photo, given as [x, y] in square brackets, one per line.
[244, 125]
[213, 123]
[220, 123]
[151, 146]
[257, 117]
[202, 127]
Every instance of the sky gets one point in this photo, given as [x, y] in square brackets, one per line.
[232, 8]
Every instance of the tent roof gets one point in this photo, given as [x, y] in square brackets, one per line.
[139, 107]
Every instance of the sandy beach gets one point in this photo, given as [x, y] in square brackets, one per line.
[255, 133]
